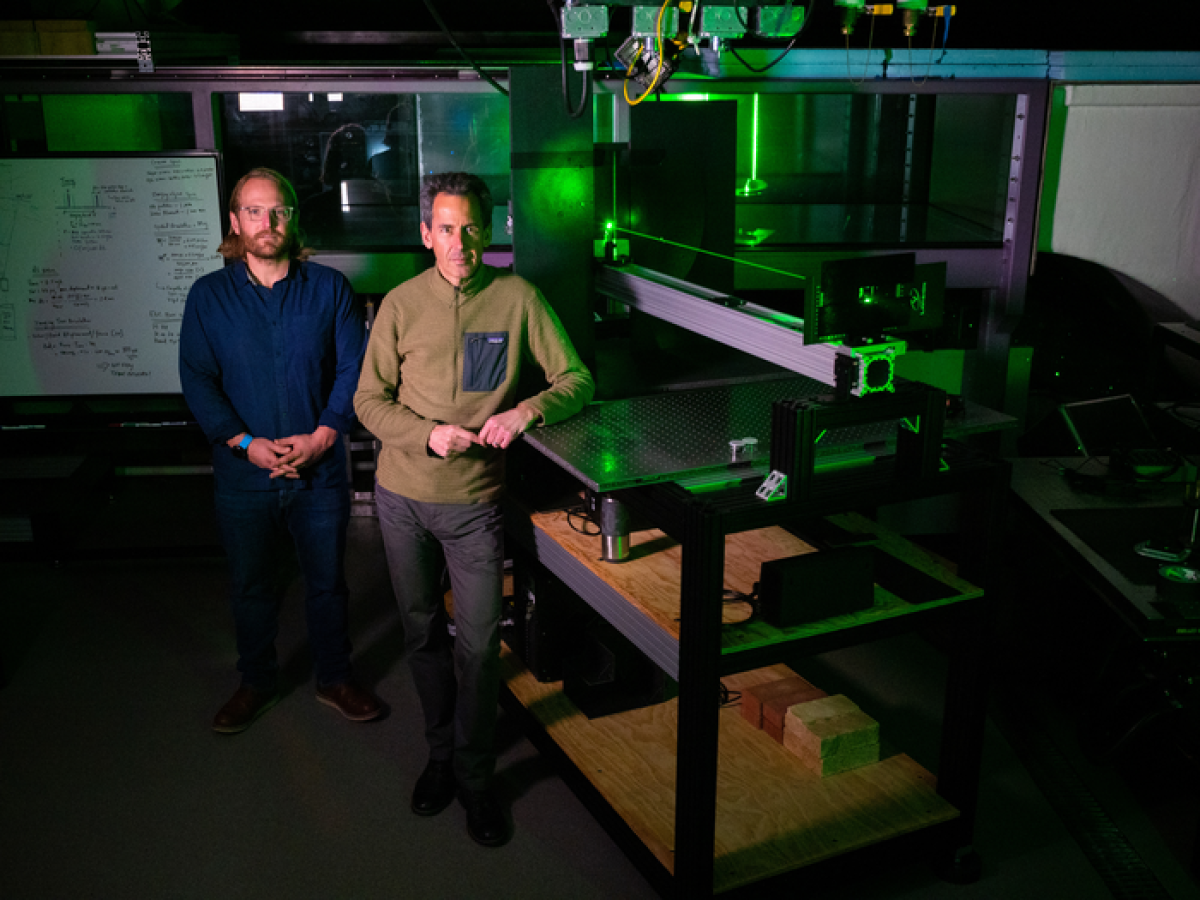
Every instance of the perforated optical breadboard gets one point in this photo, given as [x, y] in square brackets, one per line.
[677, 435]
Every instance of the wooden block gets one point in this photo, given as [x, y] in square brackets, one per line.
[831, 735]
[775, 709]
[66, 37]
[832, 765]
[18, 38]
[756, 697]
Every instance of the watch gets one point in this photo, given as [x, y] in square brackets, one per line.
[239, 449]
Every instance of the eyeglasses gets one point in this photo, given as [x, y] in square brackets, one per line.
[279, 213]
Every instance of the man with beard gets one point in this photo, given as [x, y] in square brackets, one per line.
[269, 355]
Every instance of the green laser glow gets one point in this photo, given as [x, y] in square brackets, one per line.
[752, 186]
[824, 432]
[843, 464]
[740, 262]
[714, 486]
[754, 143]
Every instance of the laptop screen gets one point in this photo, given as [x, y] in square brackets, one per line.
[1109, 425]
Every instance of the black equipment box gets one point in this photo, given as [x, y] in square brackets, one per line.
[546, 619]
[607, 674]
[815, 586]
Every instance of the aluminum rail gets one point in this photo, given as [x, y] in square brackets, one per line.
[757, 330]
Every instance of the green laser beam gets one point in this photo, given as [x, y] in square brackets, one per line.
[754, 144]
[740, 262]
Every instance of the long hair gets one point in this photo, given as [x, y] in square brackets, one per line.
[457, 184]
[233, 247]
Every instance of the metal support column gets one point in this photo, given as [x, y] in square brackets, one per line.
[986, 378]
[698, 742]
[553, 198]
[965, 711]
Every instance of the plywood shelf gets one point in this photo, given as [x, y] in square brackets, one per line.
[773, 814]
[649, 581]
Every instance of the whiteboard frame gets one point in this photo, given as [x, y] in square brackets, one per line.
[154, 407]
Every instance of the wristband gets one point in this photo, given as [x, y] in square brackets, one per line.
[242, 446]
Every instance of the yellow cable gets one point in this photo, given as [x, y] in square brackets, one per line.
[658, 73]
[625, 86]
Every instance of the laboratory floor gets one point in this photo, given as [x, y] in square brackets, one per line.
[112, 784]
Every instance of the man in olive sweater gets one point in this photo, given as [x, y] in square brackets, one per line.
[439, 389]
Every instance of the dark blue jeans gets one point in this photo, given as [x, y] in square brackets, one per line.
[458, 681]
[259, 529]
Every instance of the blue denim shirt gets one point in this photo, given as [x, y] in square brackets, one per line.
[273, 362]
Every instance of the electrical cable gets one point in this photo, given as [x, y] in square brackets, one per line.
[658, 74]
[731, 597]
[586, 93]
[562, 52]
[929, 65]
[450, 37]
[580, 512]
[625, 84]
[867, 64]
[786, 50]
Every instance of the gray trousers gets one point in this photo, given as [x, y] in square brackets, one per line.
[458, 680]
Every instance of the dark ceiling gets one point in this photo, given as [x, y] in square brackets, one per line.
[407, 29]
[504, 31]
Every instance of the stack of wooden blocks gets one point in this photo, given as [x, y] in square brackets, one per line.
[829, 734]
[47, 37]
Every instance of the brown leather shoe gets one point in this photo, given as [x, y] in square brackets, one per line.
[243, 708]
[355, 703]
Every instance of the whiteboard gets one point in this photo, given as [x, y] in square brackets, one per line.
[96, 259]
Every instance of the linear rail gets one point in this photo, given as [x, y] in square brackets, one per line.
[753, 329]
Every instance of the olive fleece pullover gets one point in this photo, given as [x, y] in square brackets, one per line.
[440, 354]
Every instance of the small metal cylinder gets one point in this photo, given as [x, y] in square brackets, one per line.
[614, 530]
[743, 451]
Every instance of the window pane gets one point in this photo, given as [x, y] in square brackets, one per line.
[356, 159]
[840, 168]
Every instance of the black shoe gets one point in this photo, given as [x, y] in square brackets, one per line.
[486, 822]
[434, 789]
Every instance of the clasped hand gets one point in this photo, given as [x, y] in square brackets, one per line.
[498, 431]
[286, 456]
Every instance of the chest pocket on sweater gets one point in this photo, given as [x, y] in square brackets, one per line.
[485, 360]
